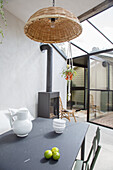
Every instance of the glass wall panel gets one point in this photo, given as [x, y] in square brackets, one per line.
[86, 97]
[95, 104]
[86, 78]
[101, 107]
[107, 61]
[101, 89]
[104, 101]
[111, 77]
[111, 101]
[78, 99]
[78, 80]
[98, 74]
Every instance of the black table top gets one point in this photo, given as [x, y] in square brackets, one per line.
[28, 153]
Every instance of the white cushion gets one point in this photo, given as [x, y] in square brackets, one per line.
[4, 121]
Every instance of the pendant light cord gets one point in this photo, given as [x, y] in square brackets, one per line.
[69, 54]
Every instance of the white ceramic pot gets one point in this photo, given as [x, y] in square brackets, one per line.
[59, 125]
[58, 129]
[22, 125]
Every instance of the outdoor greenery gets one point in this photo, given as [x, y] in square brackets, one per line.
[3, 19]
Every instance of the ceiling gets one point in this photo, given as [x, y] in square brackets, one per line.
[23, 9]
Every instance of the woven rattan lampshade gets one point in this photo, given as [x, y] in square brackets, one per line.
[39, 26]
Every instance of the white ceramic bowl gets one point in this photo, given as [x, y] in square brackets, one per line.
[58, 129]
[58, 125]
[59, 121]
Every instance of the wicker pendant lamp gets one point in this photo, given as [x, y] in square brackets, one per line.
[52, 25]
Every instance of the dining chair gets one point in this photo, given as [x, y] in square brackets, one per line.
[93, 107]
[64, 113]
[93, 154]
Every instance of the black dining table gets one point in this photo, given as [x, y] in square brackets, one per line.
[27, 153]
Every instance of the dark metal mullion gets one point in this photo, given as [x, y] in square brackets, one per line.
[78, 88]
[108, 85]
[100, 125]
[100, 90]
[79, 48]
[99, 31]
[88, 92]
[112, 100]
[84, 88]
[79, 65]
[108, 102]
[95, 53]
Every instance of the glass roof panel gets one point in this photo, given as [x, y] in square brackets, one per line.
[91, 40]
[62, 47]
[104, 22]
[76, 52]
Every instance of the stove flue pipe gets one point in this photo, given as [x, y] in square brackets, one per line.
[49, 65]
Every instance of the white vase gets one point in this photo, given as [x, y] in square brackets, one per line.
[22, 125]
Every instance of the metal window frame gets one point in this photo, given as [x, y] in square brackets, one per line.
[107, 90]
[103, 6]
[55, 46]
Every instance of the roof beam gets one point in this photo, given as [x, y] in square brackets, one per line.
[95, 53]
[99, 8]
[79, 48]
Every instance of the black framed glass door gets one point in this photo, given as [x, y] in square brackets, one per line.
[101, 90]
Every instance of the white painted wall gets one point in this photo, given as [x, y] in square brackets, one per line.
[23, 69]
[58, 81]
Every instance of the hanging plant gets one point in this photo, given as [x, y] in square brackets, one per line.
[3, 18]
[68, 73]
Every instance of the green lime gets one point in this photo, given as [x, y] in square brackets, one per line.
[48, 154]
[54, 149]
[56, 155]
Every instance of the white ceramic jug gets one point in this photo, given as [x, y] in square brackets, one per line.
[22, 125]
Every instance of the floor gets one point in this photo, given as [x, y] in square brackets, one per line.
[105, 159]
[106, 120]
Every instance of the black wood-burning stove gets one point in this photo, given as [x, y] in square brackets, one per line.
[48, 102]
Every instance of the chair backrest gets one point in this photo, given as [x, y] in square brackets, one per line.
[60, 105]
[91, 100]
[93, 154]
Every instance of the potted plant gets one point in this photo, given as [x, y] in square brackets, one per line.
[68, 73]
[3, 18]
